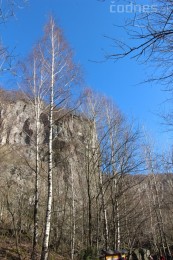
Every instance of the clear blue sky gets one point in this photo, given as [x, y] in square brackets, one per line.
[85, 23]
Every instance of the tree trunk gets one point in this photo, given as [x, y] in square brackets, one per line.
[45, 246]
[37, 169]
[73, 234]
[106, 232]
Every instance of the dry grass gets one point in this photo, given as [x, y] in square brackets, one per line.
[8, 251]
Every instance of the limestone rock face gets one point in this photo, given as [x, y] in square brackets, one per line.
[17, 123]
[74, 142]
[72, 136]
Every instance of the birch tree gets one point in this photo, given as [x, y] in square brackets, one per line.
[34, 91]
[61, 74]
[115, 155]
[156, 192]
[92, 107]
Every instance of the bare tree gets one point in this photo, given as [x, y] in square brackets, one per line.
[149, 38]
[156, 193]
[34, 91]
[114, 155]
[8, 9]
[151, 31]
[60, 73]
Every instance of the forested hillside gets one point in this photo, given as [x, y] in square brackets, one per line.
[76, 175]
[102, 194]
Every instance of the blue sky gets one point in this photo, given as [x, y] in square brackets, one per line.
[85, 23]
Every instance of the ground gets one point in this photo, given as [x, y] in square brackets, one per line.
[8, 250]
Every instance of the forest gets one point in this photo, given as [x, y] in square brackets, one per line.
[76, 175]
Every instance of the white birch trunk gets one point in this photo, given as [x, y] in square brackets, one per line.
[118, 226]
[45, 246]
[44, 255]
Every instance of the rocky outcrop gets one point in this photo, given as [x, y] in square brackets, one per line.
[18, 124]
[72, 136]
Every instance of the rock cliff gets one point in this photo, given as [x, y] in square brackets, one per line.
[72, 136]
